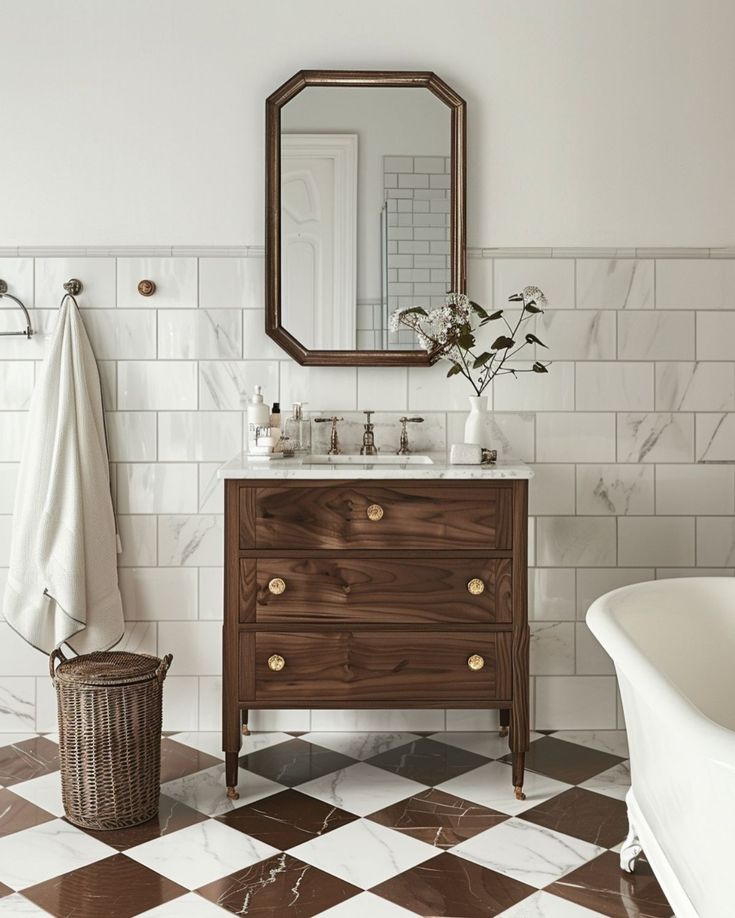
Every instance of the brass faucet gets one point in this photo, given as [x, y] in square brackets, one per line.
[404, 449]
[334, 447]
[368, 447]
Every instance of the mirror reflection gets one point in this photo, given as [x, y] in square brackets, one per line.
[365, 213]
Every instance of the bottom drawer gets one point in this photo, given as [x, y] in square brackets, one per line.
[374, 666]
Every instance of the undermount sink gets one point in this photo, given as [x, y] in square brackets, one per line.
[368, 460]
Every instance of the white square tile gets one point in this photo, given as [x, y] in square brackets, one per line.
[575, 703]
[364, 853]
[615, 782]
[18, 347]
[715, 437]
[17, 704]
[619, 283]
[8, 481]
[552, 391]
[139, 541]
[227, 385]
[695, 386]
[526, 852]
[575, 437]
[180, 700]
[613, 741]
[44, 792]
[158, 593]
[364, 905]
[196, 646]
[714, 334]
[595, 582]
[491, 785]
[551, 490]
[96, 274]
[655, 437]
[361, 788]
[46, 707]
[18, 275]
[191, 540]
[156, 487]
[323, 388]
[544, 905]
[200, 853]
[618, 386]
[566, 541]
[430, 390]
[131, 435]
[695, 283]
[128, 334]
[591, 657]
[12, 435]
[576, 335]
[256, 344]
[211, 488]
[211, 593]
[716, 541]
[200, 333]
[552, 648]
[199, 436]
[360, 745]
[191, 905]
[382, 388]
[17, 906]
[46, 851]
[139, 637]
[656, 335]
[206, 791]
[551, 594]
[175, 280]
[108, 383]
[666, 541]
[16, 384]
[512, 434]
[18, 657]
[617, 490]
[152, 385]
[555, 276]
[232, 283]
[695, 490]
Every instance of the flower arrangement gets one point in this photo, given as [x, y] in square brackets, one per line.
[449, 332]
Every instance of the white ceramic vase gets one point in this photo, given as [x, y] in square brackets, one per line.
[477, 426]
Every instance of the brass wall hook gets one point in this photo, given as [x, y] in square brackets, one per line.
[74, 286]
[147, 288]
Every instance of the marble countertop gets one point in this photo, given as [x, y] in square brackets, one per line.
[242, 466]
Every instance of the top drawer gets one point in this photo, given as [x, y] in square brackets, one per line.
[376, 515]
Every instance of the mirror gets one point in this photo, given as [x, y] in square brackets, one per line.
[365, 211]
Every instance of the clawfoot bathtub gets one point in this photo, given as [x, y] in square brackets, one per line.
[673, 645]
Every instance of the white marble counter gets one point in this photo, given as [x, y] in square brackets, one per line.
[243, 466]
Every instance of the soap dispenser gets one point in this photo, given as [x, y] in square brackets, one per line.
[298, 429]
[259, 418]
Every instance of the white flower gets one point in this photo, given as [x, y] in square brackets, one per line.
[537, 295]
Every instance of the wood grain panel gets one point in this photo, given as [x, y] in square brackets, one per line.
[379, 667]
[368, 590]
[431, 516]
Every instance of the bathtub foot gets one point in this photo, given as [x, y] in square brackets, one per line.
[631, 849]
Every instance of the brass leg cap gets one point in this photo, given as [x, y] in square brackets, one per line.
[519, 793]
[232, 793]
[245, 730]
[503, 731]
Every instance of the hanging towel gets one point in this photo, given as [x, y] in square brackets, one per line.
[62, 583]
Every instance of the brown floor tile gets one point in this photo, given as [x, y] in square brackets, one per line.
[449, 885]
[294, 762]
[5, 890]
[172, 816]
[17, 813]
[28, 759]
[287, 819]
[602, 886]
[565, 761]
[280, 885]
[595, 818]
[437, 818]
[178, 760]
[115, 887]
[428, 761]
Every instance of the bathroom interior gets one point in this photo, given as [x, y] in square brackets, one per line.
[367, 458]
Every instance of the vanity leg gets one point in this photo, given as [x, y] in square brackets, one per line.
[519, 761]
[504, 721]
[244, 717]
[231, 775]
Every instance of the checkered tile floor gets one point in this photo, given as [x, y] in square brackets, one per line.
[344, 825]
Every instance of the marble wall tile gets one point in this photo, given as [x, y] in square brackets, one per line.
[138, 536]
[715, 335]
[695, 489]
[46, 706]
[282, 719]
[16, 384]
[17, 704]
[131, 436]
[156, 384]
[552, 391]
[568, 541]
[577, 335]
[618, 490]
[555, 276]
[322, 388]
[395, 720]
[716, 541]
[430, 390]
[575, 703]
[157, 487]
[591, 658]
[649, 541]
[211, 489]
[656, 335]
[382, 388]
[175, 280]
[663, 437]
[199, 436]
[180, 700]
[595, 582]
[96, 274]
[552, 648]
[126, 334]
[551, 593]
[139, 637]
[210, 703]
[256, 344]
[8, 480]
[575, 437]
[196, 646]
[480, 280]
[158, 593]
[108, 383]
[619, 386]
[228, 385]
[551, 490]
[185, 540]
[715, 437]
[211, 594]
[512, 434]
[695, 283]
[695, 386]
[17, 657]
[214, 334]
[233, 283]
[615, 283]
[18, 275]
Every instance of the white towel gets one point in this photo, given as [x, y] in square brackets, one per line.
[62, 583]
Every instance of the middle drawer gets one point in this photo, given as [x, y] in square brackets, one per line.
[362, 590]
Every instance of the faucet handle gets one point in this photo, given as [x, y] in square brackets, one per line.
[334, 449]
[368, 412]
[333, 420]
[405, 421]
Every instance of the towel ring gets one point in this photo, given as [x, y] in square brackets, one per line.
[28, 331]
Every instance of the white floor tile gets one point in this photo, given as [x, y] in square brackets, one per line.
[490, 744]
[360, 745]
[364, 853]
[44, 792]
[615, 782]
[16, 907]
[492, 786]
[613, 741]
[365, 905]
[527, 853]
[544, 905]
[205, 790]
[189, 906]
[361, 788]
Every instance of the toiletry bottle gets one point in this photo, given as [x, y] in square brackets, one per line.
[298, 429]
[259, 417]
[276, 418]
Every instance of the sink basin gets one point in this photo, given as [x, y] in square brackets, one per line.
[368, 460]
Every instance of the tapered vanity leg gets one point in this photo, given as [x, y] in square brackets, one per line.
[504, 721]
[231, 775]
[244, 717]
[519, 762]
[519, 714]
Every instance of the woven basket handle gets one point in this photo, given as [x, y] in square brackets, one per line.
[55, 655]
[163, 667]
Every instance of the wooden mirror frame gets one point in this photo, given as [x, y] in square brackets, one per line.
[458, 186]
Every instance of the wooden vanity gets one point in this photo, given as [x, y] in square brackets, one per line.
[375, 588]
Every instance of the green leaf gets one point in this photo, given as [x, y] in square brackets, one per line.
[532, 339]
[531, 308]
[478, 309]
[515, 298]
[502, 343]
[454, 370]
[481, 360]
[419, 310]
[539, 368]
[496, 315]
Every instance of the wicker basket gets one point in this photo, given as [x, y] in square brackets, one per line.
[109, 708]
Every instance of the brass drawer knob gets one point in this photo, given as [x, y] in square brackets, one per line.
[475, 586]
[475, 662]
[277, 586]
[375, 512]
[276, 662]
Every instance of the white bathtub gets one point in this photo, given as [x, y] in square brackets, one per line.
[673, 645]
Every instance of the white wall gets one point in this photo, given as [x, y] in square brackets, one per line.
[591, 123]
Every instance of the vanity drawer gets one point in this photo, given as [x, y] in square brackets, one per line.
[351, 590]
[320, 669]
[377, 516]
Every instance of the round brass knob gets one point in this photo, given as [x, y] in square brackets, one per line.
[375, 512]
[146, 288]
[276, 662]
[475, 586]
[475, 662]
[277, 586]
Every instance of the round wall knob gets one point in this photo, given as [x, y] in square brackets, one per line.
[475, 586]
[375, 512]
[277, 586]
[475, 662]
[276, 662]
[146, 288]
